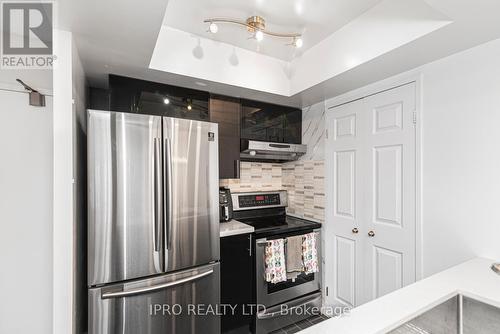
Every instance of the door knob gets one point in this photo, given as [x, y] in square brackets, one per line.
[355, 230]
[371, 234]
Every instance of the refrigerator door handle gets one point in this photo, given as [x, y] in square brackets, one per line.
[157, 206]
[119, 294]
[168, 193]
[156, 199]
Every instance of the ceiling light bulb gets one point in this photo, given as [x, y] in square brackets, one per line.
[166, 100]
[189, 107]
[259, 35]
[298, 42]
[213, 28]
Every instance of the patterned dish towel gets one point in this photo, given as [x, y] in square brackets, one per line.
[310, 253]
[275, 261]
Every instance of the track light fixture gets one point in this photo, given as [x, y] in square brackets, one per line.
[256, 25]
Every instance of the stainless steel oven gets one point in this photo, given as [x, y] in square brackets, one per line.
[269, 294]
[282, 298]
[284, 302]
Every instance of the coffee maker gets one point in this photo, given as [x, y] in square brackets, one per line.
[225, 205]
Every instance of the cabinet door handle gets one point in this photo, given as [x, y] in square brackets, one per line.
[371, 234]
[250, 248]
[355, 230]
[237, 169]
[279, 145]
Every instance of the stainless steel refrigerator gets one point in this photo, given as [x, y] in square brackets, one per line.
[153, 228]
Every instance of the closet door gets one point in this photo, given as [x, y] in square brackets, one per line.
[370, 178]
[345, 186]
[389, 223]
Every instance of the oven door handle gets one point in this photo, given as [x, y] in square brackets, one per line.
[263, 242]
[265, 315]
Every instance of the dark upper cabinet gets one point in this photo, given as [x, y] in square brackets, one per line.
[226, 112]
[139, 96]
[237, 281]
[98, 99]
[270, 122]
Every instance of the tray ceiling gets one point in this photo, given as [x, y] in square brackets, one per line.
[315, 19]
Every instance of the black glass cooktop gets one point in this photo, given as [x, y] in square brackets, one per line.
[278, 224]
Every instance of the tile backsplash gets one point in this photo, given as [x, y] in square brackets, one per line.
[255, 176]
[313, 131]
[305, 183]
[303, 180]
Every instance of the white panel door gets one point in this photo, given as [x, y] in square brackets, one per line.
[370, 227]
[390, 207]
[342, 243]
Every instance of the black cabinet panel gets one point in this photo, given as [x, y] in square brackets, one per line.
[226, 112]
[98, 99]
[270, 122]
[139, 96]
[236, 282]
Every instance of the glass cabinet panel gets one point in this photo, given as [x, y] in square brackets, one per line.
[145, 97]
[269, 122]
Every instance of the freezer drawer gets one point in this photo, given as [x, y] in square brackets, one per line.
[125, 229]
[159, 305]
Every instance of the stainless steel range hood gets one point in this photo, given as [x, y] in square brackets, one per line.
[252, 150]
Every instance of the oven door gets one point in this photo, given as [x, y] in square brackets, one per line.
[270, 294]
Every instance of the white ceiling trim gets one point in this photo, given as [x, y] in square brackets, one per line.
[186, 54]
[383, 28]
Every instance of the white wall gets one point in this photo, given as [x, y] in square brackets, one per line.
[25, 214]
[69, 207]
[63, 243]
[80, 194]
[461, 157]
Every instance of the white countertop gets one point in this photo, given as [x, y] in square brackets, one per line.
[472, 279]
[234, 227]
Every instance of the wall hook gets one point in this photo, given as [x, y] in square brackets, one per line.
[36, 98]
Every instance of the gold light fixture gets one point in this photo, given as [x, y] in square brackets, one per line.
[256, 25]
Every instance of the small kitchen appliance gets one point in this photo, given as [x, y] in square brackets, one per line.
[225, 204]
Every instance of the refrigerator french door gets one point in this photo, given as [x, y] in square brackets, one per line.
[153, 233]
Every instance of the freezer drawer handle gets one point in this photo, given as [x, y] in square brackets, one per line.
[155, 287]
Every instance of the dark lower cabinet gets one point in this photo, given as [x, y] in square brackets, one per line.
[226, 112]
[236, 283]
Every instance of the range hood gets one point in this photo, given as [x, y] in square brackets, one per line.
[252, 150]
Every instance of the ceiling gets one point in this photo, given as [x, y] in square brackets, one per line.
[314, 19]
[348, 44]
